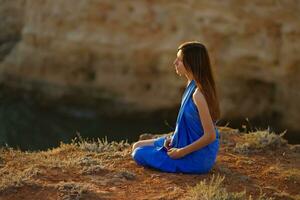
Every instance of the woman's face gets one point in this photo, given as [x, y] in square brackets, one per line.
[178, 63]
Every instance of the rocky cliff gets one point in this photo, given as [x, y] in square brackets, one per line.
[122, 51]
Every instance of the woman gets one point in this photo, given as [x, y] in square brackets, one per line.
[194, 145]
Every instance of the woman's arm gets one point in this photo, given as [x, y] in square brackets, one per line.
[208, 127]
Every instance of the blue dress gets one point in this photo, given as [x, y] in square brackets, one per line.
[188, 129]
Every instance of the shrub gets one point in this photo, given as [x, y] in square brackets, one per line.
[260, 140]
[214, 190]
[100, 145]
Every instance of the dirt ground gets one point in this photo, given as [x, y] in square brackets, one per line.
[73, 172]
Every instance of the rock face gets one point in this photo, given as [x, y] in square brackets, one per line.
[123, 50]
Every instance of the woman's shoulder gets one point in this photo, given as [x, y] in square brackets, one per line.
[198, 96]
[199, 99]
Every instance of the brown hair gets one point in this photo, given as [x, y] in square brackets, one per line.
[196, 61]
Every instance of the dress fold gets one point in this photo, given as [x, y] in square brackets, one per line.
[188, 129]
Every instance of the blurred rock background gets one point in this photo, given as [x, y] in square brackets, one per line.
[118, 55]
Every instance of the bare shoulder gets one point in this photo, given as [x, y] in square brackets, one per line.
[199, 98]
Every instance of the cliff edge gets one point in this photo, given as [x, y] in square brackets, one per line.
[253, 165]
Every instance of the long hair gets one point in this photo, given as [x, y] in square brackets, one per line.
[196, 61]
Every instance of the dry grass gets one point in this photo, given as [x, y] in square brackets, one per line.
[259, 140]
[81, 155]
[100, 145]
[214, 190]
[10, 175]
[84, 167]
[71, 190]
[292, 174]
[17, 178]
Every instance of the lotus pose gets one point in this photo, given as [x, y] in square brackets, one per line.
[194, 144]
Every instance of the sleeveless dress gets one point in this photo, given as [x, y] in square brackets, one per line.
[188, 129]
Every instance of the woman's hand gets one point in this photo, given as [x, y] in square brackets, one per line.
[167, 143]
[176, 153]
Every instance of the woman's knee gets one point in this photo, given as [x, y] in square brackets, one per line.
[142, 143]
[137, 155]
[136, 145]
[134, 153]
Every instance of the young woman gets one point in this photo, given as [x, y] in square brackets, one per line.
[194, 145]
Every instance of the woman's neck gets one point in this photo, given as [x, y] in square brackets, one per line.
[189, 78]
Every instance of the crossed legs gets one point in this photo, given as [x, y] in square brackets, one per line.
[141, 143]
